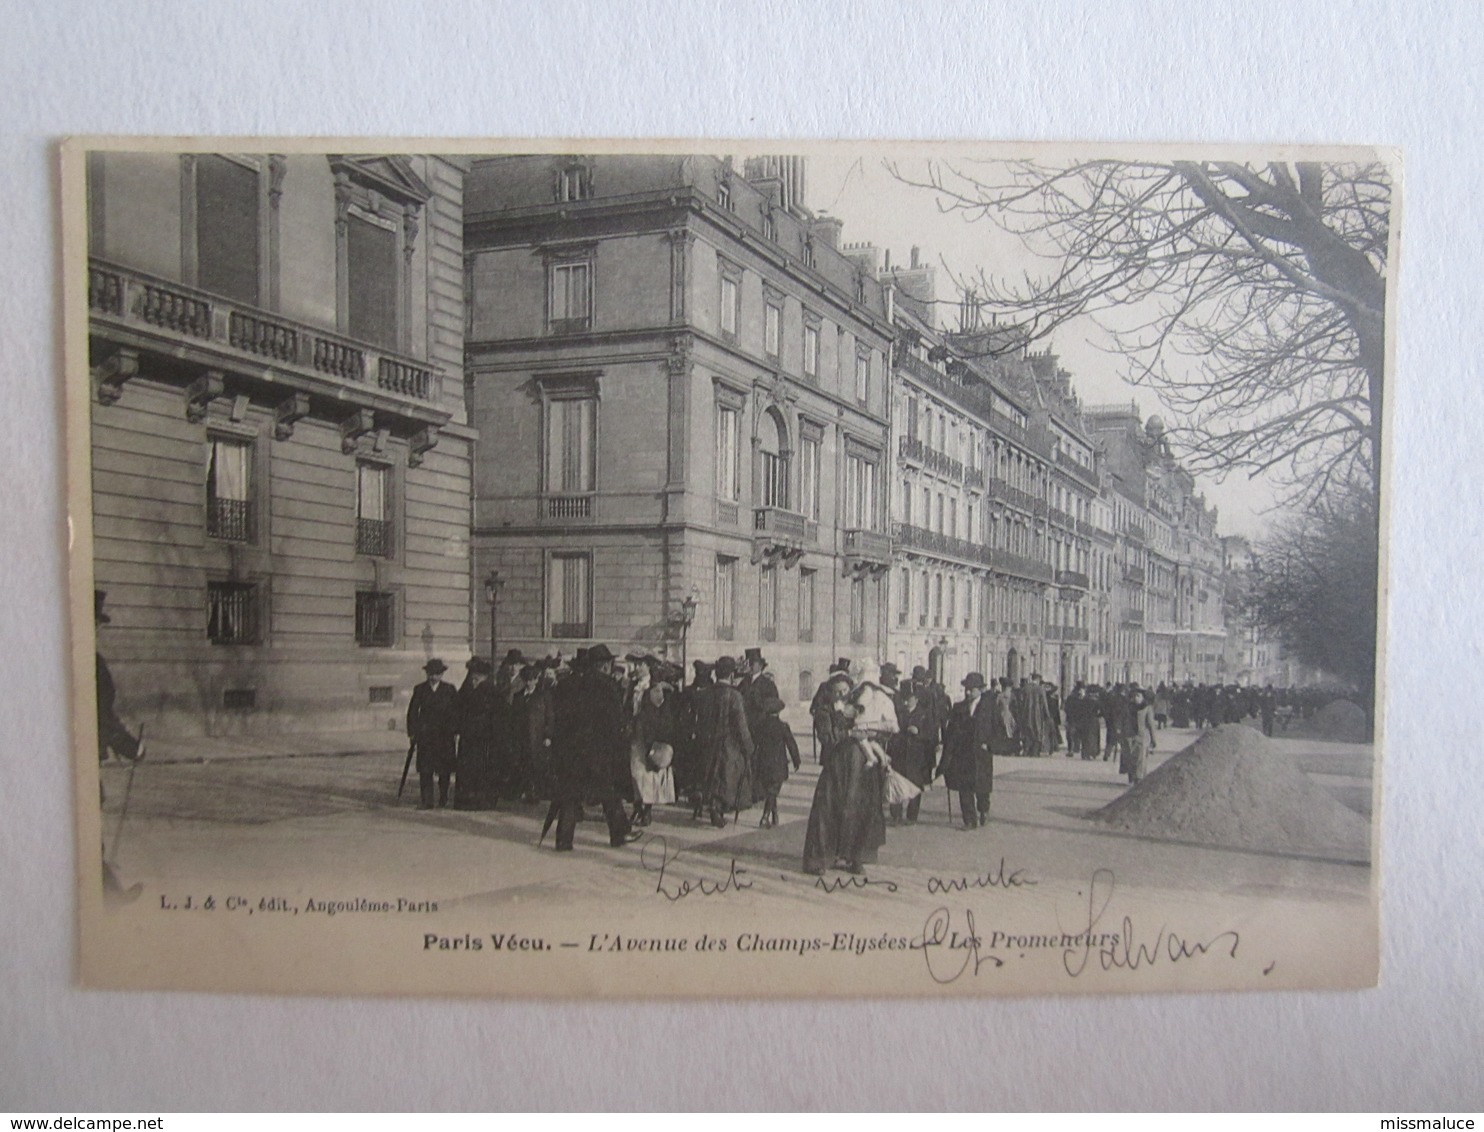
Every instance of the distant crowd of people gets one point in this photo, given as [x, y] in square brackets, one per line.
[626, 734]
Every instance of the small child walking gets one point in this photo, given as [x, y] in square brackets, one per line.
[774, 747]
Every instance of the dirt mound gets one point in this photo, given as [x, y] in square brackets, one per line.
[1232, 788]
[1341, 719]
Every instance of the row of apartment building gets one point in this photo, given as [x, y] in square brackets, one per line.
[354, 411]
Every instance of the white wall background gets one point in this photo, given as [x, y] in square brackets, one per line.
[1403, 73]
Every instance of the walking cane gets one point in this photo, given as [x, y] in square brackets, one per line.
[411, 750]
[118, 832]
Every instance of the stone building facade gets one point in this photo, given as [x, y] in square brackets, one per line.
[681, 388]
[1171, 619]
[280, 462]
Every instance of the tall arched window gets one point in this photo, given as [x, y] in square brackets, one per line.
[773, 449]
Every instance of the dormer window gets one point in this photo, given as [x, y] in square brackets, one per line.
[574, 182]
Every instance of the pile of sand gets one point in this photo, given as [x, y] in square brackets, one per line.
[1342, 719]
[1232, 788]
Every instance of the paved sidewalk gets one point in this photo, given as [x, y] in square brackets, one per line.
[292, 744]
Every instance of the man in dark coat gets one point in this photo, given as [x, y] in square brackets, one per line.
[588, 750]
[687, 763]
[433, 724]
[757, 688]
[112, 734]
[473, 781]
[533, 732]
[968, 750]
[726, 746]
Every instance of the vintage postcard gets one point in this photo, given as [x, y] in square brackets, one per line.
[726, 568]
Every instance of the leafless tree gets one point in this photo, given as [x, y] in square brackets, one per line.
[1313, 583]
[1250, 297]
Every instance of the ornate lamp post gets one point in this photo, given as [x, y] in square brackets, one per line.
[492, 586]
[686, 616]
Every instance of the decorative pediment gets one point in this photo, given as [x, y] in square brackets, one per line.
[388, 174]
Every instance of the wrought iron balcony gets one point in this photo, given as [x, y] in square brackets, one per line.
[374, 537]
[225, 329]
[778, 521]
[1085, 474]
[229, 519]
[1022, 566]
[869, 545]
[1072, 578]
[931, 542]
[1133, 618]
[973, 477]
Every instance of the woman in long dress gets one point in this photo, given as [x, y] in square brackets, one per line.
[651, 743]
[846, 827]
[1136, 749]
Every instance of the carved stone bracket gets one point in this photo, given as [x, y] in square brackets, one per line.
[277, 168]
[863, 568]
[357, 425]
[201, 393]
[421, 443]
[296, 408]
[111, 375]
[678, 362]
[772, 551]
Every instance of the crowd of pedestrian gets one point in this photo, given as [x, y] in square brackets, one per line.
[629, 734]
[624, 734]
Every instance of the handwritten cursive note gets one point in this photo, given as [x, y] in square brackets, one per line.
[672, 889]
[1122, 950]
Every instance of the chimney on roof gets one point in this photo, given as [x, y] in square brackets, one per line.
[916, 256]
[827, 230]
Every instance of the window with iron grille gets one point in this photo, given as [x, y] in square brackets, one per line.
[239, 699]
[571, 455]
[232, 613]
[569, 595]
[373, 510]
[229, 490]
[374, 610]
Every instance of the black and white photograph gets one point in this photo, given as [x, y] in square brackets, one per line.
[734, 568]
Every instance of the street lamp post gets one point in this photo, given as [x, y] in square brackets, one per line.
[687, 615]
[492, 585]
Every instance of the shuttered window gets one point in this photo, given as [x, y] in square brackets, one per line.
[228, 250]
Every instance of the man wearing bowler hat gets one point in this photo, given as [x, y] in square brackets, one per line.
[589, 753]
[433, 724]
[968, 752]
